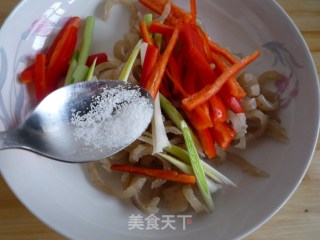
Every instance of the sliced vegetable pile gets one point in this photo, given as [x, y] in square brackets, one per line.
[195, 71]
[180, 65]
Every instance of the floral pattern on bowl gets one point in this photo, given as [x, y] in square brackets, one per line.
[40, 31]
[288, 87]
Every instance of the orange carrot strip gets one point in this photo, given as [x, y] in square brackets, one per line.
[234, 88]
[156, 27]
[222, 51]
[156, 173]
[176, 13]
[155, 5]
[193, 10]
[145, 33]
[232, 85]
[157, 75]
[210, 45]
[205, 93]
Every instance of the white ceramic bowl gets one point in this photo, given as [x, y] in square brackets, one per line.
[60, 195]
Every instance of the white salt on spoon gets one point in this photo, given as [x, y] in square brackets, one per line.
[115, 113]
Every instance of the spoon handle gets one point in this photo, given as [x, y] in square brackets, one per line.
[10, 139]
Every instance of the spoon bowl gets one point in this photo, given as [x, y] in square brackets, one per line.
[49, 131]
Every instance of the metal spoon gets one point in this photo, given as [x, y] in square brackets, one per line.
[48, 131]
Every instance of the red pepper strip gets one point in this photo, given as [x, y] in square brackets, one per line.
[40, 76]
[209, 44]
[207, 142]
[191, 38]
[158, 71]
[206, 73]
[196, 120]
[156, 27]
[166, 87]
[218, 109]
[145, 33]
[191, 85]
[73, 21]
[201, 114]
[205, 42]
[231, 102]
[201, 110]
[177, 84]
[221, 65]
[201, 118]
[196, 58]
[61, 57]
[180, 58]
[208, 91]
[66, 42]
[223, 133]
[204, 111]
[190, 79]
[27, 74]
[149, 63]
[156, 173]
[173, 69]
[101, 57]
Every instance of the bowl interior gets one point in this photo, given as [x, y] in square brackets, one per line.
[60, 194]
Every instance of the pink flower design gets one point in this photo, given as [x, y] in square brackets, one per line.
[282, 84]
[41, 27]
